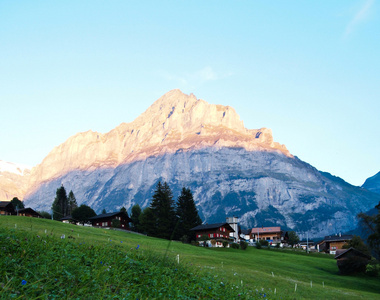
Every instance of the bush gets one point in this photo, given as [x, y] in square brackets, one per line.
[234, 246]
[373, 268]
[264, 243]
[258, 245]
[243, 245]
[115, 223]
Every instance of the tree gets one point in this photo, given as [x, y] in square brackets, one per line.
[293, 238]
[372, 226]
[60, 206]
[123, 209]
[162, 206]
[187, 215]
[72, 203]
[17, 204]
[104, 211]
[135, 217]
[357, 243]
[147, 221]
[83, 213]
[45, 214]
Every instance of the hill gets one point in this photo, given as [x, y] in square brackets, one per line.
[107, 264]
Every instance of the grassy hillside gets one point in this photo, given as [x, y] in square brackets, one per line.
[119, 265]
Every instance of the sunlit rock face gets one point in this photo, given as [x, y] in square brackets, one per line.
[189, 142]
[13, 180]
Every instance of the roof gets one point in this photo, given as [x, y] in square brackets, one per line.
[5, 203]
[109, 215]
[28, 209]
[343, 252]
[212, 226]
[266, 229]
[338, 238]
[245, 231]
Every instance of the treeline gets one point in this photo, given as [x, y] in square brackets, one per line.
[165, 218]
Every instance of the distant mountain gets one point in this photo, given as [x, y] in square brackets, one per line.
[373, 183]
[188, 142]
[13, 180]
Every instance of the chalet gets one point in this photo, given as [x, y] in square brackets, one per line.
[307, 244]
[28, 212]
[332, 243]
[68, 219]
[220, 232]
[351, 260]
[6, 208]
[245, 234]
[105, 220]
[271, 234]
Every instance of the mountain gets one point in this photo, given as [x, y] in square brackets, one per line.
[373, 183]
[13, 180]
[189, 142]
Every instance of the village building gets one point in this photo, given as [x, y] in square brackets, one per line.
[351, 260]
[28, 212]
[332, 243]
[271, 234]
[105, 220]
[234, 223]
[219, 232]
[7, 208]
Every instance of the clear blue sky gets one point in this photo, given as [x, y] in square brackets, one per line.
[309, 70]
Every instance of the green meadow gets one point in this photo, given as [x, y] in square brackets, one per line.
[93, 263]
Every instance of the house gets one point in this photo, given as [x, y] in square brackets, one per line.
[28, 212]
[220, 232]
[245, 234]
[105, 220]
[271, 234]
[7, 208]
[68, 219]
[351, 260]
[332, 243]
[307, 244]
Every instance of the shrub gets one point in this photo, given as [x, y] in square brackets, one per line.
[234, 246]
[373, 268]
[258, 245]
[115, 223]
[264, 243]
[243, 245]
[225, 243]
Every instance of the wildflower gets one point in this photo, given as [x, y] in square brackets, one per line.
[138, 246]
[101, 262]
[121, 241]
[23, 282]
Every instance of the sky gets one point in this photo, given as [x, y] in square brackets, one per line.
[309, 70]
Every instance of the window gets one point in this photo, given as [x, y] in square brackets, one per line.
[333, 248]
[211, 235]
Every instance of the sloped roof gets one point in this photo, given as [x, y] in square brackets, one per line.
[266, 229]
[28, 209]
[343, 252]
[337, 238]
[212, 226]
[109, 215]
[5, 203]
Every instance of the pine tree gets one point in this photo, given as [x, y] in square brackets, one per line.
[147, 221]
[72, 203]
[17, 204]
[187, 215]
[162, 206]
[135, 215]
[60, 204]
[104, 211]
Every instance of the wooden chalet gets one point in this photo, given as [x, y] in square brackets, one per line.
[271, 234]
[7, 208]
[220, 232]
[332, 243]
[351, 260]
[105, 220]
[28, 212]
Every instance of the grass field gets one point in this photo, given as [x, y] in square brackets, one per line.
[92, 263]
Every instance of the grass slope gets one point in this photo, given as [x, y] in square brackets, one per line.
[100, 264]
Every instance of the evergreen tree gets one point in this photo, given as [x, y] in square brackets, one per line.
[293, 238]
[147, 221]
[17, 204]
[187, 215]
[135, 215]
[60, 205]
[162, 206]
[123, 209]
[104, 211]
[72, 203]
